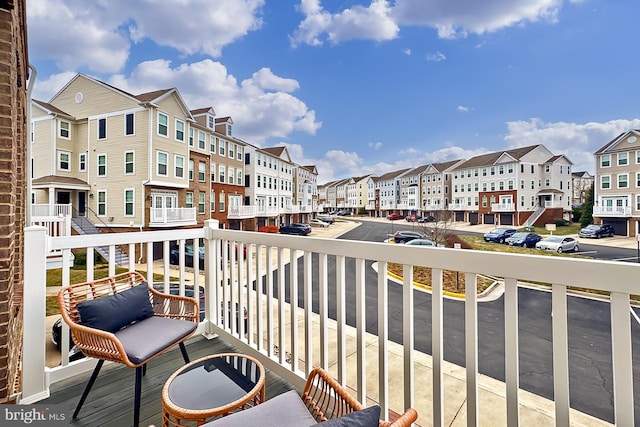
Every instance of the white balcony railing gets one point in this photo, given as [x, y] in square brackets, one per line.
[370, 206]
[553, 204]
[240, 212]
[458, 206]
[306, 345]
[503, 207]
[612, 211]
[266, 211]
[291, 209]
[42, 210]
[172, 216]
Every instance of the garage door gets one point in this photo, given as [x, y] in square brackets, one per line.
[473, 217]
[459, 216]
[619, 226]
[488, 219]
[506, 219]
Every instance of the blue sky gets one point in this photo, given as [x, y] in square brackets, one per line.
[358, 87]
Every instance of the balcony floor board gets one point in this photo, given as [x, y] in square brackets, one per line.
[110, 402]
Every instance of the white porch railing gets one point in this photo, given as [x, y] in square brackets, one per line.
[553, 204]
[612, 210]
[266, 211]
[291, 209]
[42, 210]
[458, 206]
[172, 216]
[503, 207]
[270, 319]
[239, 212]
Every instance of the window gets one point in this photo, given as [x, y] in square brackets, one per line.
[221, 173]
[211, 122]
[64, 161]
[605, 182]
[231, 150]
[492, 171]
[637, 179]
[510, 184]
[221, 202]
[547, 168]
[258, 181]
[129, 127]
[222, 146]
[484, 186]
[191, 168]
[162, 163]
[605, 160]
[475, 186]
[522, 201]
[202, 167]
[201, 201]
[239, 152]
[638, 202]
[179, 130]
[212, 144]
[102, 128]
[493, 186]
[163, 124]
[202, 141]
[64, 129]
[128, 202]
[82, 162]
[102, 165]
[510, 168]
[190, 137]
[188, 199]
[522, 184]
[102, 203]
[501, 185]
[547, 182]
[231, 174]
[212, 201]
[212, 170]
[623, 180]
[638, 157]
[229, 129]
[129, 158]
[179, 161]
[239, 176]
[501, 169]
[484, 201]
[623, 159]
[533, 184]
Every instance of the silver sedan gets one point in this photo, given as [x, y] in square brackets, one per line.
[558, 243]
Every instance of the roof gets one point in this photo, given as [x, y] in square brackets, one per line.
[582, 174]
[491, 158]
[391, 175]
[276, 151]
[59, 181]
[609, 145]
[443, 166]
[51, 108]
[152, 96]
[199, 111]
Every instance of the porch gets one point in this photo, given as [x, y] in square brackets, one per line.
[354, 347]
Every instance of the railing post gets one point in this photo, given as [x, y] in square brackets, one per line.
[210, 276]
[35, 386]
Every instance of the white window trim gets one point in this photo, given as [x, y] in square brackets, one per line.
[204, 171]
[106, 162]
[175, 166]
[186, 199]
[602, 158]
[637, 157]
[191, 172]
[602, 177]
[106, 206]
[133, 161]
[80, 168]
[60, 129]
[60, 153]
[618, 180]
[618, 159]
[175, 135]
[637, 179]
[133, 202]
[204, 203]
[158, 153]
[160, 113]
[203, 140]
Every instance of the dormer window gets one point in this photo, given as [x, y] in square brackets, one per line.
[211, 122]
[229, 129]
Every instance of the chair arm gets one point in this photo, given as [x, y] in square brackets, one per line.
[98, 344]
[174, 306]
[405, 420]
[326, 398]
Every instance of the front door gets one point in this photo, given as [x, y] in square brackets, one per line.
[82, 200]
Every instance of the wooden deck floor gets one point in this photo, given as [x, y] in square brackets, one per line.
[110, 402]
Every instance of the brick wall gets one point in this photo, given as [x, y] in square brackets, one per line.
[13, 77]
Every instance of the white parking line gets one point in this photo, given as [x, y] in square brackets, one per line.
[624, 259]
[586, 252]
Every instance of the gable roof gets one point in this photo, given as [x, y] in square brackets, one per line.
[391, 175]
[491, 158]
[611, 145]
[51, 109]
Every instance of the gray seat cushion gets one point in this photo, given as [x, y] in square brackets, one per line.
[286, 409]
[148, 337]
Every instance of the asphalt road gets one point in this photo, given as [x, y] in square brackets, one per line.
[590, 374]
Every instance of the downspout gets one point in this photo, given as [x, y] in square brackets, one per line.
[30, 84]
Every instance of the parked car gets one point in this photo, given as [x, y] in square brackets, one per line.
[343, 212]
[597, 231]
[423, 242]
[314, 222]
[406, 236]
[296, 228]
[394, 216]
[428, 218]
[413, 218]
[524, 239]
[558, 243]
[499, 235]
[326, 218]
[174, 255]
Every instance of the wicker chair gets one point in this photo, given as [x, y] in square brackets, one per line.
[174, 319]
[326, 399]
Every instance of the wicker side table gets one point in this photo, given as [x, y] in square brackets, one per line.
[212, 386]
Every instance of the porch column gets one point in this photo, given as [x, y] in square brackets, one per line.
[34, 382]
[52, 200]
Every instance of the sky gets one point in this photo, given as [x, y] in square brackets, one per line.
[361, 87]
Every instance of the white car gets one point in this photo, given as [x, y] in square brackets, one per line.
[318, 223]
[558, 243]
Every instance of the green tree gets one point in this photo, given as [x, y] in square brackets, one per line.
[587, 209]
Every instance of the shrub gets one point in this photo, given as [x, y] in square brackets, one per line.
[560, 222]
[269, 229]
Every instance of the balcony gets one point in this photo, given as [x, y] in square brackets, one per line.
[242, 212]
[612, 211]
[503, 207]
[55, 210]
[268, 211]
[458, 207]
[378, 361]
[172, 217]
[291, 209]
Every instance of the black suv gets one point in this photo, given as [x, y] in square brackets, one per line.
[597, 231]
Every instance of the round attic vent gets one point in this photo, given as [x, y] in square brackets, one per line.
[632, 139]
[79, 97]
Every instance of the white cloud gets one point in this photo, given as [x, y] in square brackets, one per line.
[358, 22]
[463, 109]
[436, 57]
[577, 141]
[407, 51]
[258, 112]
[375, 145]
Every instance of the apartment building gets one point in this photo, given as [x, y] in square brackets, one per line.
[388, 188]
[435, 185]
[521, 186]
[306, 194]
[581, 184]
[410, 190]
[269, 187]
[617, 184]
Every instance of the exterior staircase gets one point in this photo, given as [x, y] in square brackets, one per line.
[83, 226]
[534, 216]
